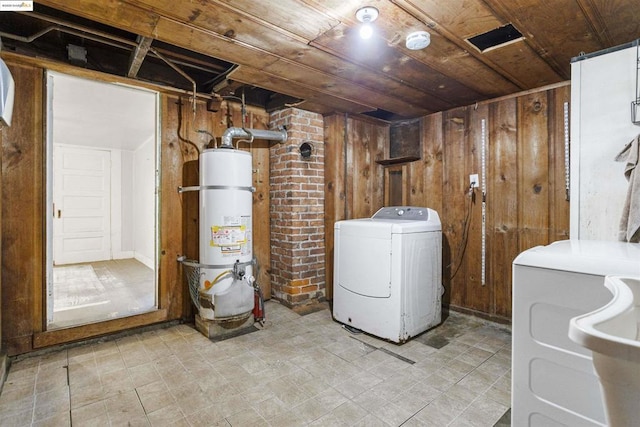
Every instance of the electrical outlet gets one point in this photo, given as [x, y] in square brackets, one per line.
[474, 181]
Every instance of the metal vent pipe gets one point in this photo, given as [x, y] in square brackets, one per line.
[231, 133]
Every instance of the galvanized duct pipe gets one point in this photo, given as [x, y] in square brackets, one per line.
[231, 133]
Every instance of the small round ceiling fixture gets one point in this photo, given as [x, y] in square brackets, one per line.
[366, 15]
[418, 40]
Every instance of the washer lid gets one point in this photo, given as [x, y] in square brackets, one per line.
[385, 226]
[585, 256]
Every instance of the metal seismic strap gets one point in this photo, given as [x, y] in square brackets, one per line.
[196, 264]
[215, 187]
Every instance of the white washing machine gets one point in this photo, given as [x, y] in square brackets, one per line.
[388, 272]
[553, 381]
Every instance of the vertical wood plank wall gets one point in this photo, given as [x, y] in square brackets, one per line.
[525, 200]
[23, 224]
[353, 180]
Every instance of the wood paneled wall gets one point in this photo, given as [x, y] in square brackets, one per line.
[353, 180]
[23, 197]
[525, 200]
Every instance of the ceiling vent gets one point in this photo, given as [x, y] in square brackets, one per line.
[496, 38]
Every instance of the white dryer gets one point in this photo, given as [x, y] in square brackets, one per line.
[388, 272]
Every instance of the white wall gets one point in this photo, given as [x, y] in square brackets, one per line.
[144, 203]
[121, 120]
[602, 89]
[121, 204]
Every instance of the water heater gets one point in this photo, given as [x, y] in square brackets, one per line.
[221, 282]
[226, 273]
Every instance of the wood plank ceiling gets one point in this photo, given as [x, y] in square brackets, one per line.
[310, 49]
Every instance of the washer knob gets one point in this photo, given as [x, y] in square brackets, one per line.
[400, 212]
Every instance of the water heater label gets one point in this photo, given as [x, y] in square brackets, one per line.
[230, 238]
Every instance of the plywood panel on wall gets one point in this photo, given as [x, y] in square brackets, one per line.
[525, 195]
[353, 179]
[22, 212]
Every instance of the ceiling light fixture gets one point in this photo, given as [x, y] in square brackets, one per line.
[366, 15]
[418, 40]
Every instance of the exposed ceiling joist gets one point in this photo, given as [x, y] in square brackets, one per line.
[138, 55]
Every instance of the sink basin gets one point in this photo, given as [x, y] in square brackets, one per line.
[611, 333]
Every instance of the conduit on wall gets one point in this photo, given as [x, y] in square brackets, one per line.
[483, 172]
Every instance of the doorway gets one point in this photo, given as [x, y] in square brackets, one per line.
[102, 176]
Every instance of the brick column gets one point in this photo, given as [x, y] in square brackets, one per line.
[297, 209]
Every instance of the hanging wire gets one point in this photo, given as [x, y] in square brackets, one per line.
[462, 247]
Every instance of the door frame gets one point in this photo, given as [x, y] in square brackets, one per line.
[47, 307]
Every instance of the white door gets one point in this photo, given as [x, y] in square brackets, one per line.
[81, 211]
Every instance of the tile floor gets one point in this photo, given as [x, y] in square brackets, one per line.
[296, 371]
[97, 291]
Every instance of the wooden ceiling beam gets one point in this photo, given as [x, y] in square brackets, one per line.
[245, 20]
[138, 55]
[149, 23]
[553, 23]
[420, 12]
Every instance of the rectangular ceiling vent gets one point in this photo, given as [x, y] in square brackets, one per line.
[496, 38]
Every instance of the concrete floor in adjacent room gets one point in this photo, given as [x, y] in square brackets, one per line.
[101, 290]
[298, 370]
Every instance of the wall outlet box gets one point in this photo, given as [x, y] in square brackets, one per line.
[474, 181]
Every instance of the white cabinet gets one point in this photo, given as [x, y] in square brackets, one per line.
[603, 85]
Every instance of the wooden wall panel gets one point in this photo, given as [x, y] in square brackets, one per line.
[425, 175]
[533, 170]
[478, 294]
[525, 200]
[455, 132]
[354, 182]
[502, 200]
[334, 187]
[23, 223]
[22, 213]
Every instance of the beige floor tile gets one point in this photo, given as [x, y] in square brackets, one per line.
[143, 374]
[370, 421]
[93, 413]
[16, 418]
[269, 408]
[392, 414]
[51, 403]
[231, 405]
[247, 418]
[166, 416]
[416, 397]
[297, 370]
[477, 381]
[155, 396]
[348, 413]
[369, 400]
[288, 419]
[116, 382]
[59, 419]
[86, 394]
[191, 397]
[209, 416]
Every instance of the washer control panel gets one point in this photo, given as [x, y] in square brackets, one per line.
[413, 213]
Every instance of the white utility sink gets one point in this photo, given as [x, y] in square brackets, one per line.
[611, 333]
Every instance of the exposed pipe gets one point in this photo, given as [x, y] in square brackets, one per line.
[231, 133]
[101, 37]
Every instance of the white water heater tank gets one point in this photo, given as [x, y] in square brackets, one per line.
[225, 233]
